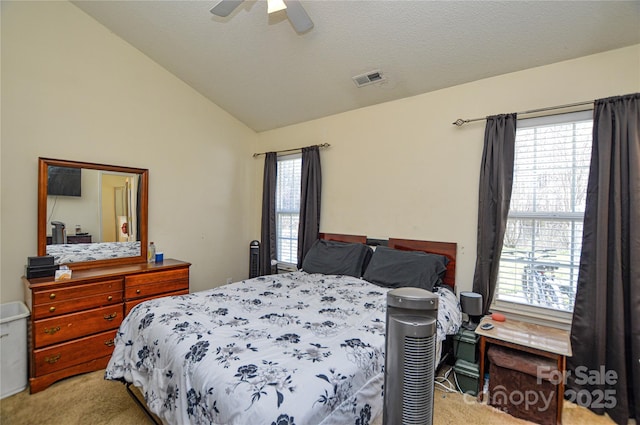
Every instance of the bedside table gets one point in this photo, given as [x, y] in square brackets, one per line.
[530, 338]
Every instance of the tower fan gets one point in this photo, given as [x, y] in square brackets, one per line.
[254, 259]
[410, 356]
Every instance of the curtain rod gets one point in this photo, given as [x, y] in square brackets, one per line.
[323, 145]
[460, 122]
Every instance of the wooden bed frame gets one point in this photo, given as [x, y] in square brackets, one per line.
[447, 249]
[343, 238]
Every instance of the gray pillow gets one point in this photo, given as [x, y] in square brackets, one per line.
[394, 268]
[331, 257]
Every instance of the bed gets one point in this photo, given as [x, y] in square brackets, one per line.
[73, 253]
[301, 347]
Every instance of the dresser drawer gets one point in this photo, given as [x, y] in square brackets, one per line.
[128, 306]
[68, 354]
[156, 277]
[55, 309]
[154, 289]
[76, 325]
[78, 291]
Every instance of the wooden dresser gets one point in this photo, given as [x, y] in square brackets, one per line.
[73, 323]
[72, 239]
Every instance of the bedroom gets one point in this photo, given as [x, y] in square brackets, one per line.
[204, 185]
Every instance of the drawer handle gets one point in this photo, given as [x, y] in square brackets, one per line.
[52, 309]
[137, 291]
[52, 359]
[52, 330]
[109, 298]
[109, 343]
[52, 296]
[111, 316]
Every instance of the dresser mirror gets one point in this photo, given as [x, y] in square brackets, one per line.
[92, 215]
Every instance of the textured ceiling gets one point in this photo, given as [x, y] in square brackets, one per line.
[261, 71]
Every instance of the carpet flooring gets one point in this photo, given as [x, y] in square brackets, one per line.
[90, 400]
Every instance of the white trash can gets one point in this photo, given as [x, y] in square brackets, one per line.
[13, 348]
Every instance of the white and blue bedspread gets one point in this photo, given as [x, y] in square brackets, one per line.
[288, 349]
[73, 253]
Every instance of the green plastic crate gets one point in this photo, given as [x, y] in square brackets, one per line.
[464, 345]
[467, 375]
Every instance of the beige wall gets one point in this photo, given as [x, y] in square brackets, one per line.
[73, 90]
[83, 210]
[401, 169]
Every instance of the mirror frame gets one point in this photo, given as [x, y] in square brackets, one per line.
[43, 168]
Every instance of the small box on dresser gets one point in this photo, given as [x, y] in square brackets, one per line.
[73, 322]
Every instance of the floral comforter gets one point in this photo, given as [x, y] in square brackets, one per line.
[285, 349]
[73, 253]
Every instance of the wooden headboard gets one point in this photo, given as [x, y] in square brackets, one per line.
[448, 249]
[343, 238]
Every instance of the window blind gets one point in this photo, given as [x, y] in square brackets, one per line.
[542, 243]
[288, 208]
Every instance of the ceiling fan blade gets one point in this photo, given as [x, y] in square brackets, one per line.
[298, 16]
[225, 7]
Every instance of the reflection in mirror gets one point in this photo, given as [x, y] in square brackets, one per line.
[92, 214]
[105, 212]
[118, 207]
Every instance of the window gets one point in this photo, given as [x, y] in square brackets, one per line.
[538, 268]
[288, 208]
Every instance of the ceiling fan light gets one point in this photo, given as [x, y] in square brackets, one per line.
[275, 6]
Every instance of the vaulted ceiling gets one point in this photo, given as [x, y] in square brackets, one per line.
[256, 67]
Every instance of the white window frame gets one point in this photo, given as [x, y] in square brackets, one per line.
[529, 310]
[286, 252]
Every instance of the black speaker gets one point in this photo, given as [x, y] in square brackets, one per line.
[254, 259]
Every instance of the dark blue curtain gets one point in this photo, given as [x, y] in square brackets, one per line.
[496, 181]
[605, 332]
[310, 194]
[268, 226]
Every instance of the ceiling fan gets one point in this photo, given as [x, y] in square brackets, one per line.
[295, 12]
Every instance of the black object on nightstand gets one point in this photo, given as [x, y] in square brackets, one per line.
[471, 305]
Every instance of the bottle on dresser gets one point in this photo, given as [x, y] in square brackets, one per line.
[151, 253]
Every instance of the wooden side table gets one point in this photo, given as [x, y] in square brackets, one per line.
[541, 340]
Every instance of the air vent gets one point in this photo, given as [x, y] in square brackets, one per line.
[369, 78]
